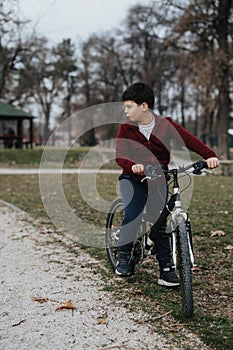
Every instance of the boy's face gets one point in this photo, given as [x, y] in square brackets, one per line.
[135, 112]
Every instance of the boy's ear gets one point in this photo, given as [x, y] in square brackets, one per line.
[145, 106]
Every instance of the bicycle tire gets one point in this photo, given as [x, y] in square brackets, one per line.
[184, 267]
[113, 225]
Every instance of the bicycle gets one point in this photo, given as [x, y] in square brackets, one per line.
[180, 233]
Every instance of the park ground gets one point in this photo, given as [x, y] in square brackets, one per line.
[151, 306]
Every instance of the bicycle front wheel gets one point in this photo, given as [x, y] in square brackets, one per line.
[184, 267]
[113, 225]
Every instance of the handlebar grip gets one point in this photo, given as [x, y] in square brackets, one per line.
[153, 171]
[199, 166]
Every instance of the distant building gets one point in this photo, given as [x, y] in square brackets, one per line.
[12, 130]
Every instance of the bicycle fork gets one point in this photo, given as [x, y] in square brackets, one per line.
[177, 214]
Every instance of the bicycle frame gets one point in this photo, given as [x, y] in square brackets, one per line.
[174, 206]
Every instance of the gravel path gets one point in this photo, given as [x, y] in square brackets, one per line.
[37, 265]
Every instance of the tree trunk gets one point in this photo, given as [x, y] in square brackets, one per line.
[222, 28]
[223, 125]
[46, 130]
[182, 103]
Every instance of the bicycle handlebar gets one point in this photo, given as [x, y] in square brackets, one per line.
[156, 171]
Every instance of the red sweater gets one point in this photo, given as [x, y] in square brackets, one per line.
[132, 146]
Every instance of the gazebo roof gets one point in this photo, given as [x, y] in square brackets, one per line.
[8, 111]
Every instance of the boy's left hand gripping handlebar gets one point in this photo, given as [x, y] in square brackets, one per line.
[199, 166]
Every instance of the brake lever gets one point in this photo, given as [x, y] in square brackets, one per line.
[208, 172]
[199, 172]
[145, 178]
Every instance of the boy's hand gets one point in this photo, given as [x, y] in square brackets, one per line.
[138, 169]
[212, 162]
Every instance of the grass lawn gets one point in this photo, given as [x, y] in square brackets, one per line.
[210, 210]
[31, 158]
[73, 157]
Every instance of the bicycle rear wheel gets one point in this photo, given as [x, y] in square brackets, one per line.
[184, 267]
[113, 225]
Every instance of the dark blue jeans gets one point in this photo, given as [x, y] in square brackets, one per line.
[136, 195]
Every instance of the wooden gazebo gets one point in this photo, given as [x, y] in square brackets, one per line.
[10, 113]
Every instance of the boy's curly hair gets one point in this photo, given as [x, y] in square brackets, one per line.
[139, 93]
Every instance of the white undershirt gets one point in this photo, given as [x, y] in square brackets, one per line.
[146, 129]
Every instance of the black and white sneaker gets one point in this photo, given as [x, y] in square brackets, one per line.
[168, 277]
[125, 265]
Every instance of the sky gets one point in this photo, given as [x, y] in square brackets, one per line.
[75, 19]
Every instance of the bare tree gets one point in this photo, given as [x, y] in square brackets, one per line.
[151, 58]
[204, 31]
[87, 78]
[12, 48]
[44, 76]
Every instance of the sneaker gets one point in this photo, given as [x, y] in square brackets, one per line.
[168, 277]
[125, 265]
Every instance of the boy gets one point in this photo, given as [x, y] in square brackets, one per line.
[145, 139]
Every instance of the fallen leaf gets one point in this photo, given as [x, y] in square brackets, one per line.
[66, 305]
[196, 269]
[101, 320]
[33, 239]
[40, 300]
[229, 247]
[217, 233]
[224, 297]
